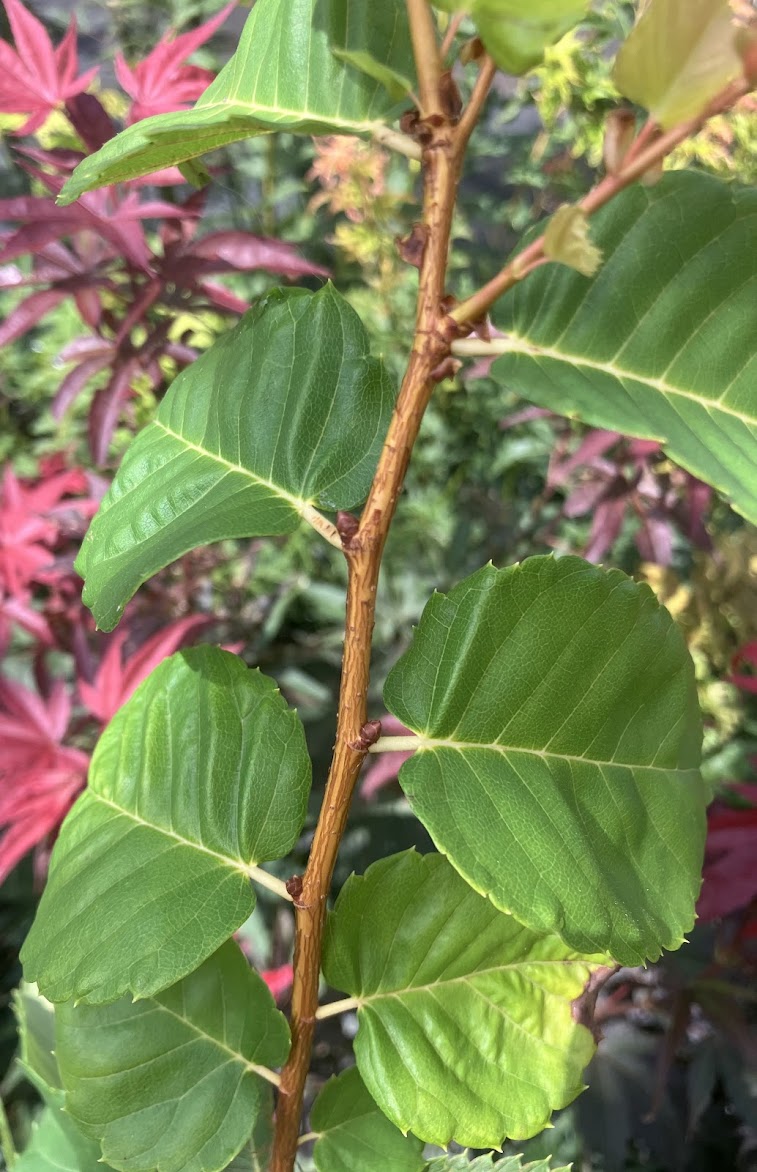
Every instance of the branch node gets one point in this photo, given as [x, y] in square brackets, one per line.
[294, 887]
[412, 248]
[447, 368]
[347, 525]
[369, 734]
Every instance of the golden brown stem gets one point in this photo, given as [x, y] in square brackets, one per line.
[428, 62]
[363, 549]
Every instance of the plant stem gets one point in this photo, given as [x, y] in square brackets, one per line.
[277, 886]
[334, 1008]
[428, 60]
[397, 744]
[363, 550]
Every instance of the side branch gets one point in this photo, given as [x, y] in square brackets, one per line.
[648, 151]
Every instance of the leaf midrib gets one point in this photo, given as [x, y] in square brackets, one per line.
[430, 744]
[468, 978]
[234, 864]
[298, 503]
[516, 344]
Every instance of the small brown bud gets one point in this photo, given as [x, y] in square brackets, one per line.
[452, 103]
[347, 526]
[411, 248]
[294, 887]
[369, 734]
[472, 50]
[447, 368]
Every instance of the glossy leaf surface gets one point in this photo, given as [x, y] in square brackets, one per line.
[174, 1082]
[202, 774]
[465, 1026]
[678, 56]
[284, 75]
[354, 1135]
[660, 344]
[558, 761]
[286, 411]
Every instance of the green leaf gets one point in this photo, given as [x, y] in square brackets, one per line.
[376, 39]
[354, 1135]
[174, 1082]
[256, 1153]
[465, 1025]
[660, 344]
[516, 34]
[557, 765]
[678, 56]
[201, 775]
[57, 1145]
[36, 1033]
[486, 1164]
[283, 76]
[285, 412]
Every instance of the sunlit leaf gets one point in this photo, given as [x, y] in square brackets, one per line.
[559, 743]
[285, 412]
[201, 775]
[465, 1024]
[284, 75]
[678, 56]
[174, 1082]
[660, 344]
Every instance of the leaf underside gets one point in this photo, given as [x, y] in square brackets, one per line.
[203, 773]
[558, 762]
[284, 75]
[465, 1025]
[660, 344]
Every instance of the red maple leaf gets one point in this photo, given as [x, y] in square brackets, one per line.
[730, 870]
[36, 78]
[39, 776]
[115, 680]
[162, 82]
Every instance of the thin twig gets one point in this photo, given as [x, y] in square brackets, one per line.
[453, 29]
[472, 111]
[641, 161]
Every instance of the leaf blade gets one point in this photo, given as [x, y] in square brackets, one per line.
[660, 365]
[352, 1131]
[261, 89]
[453, 997]
[286, 411]
[559, 729]
[147, 1109]
[178, 810]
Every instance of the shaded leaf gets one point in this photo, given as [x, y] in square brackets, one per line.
[486, 1164]
[677, 57]
[283, 76]
[125, 1086]
[354, 1135]
[201, 775]
[57, 1145]
[465, 1025]
[675, 361]
[559, 731]
[286, 411]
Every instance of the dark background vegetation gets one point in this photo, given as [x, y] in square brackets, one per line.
[674, 1084]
